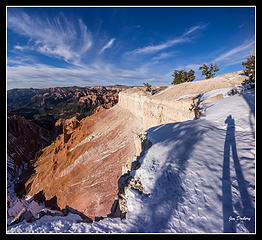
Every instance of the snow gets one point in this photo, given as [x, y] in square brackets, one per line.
[186, 96]
[165, 90]
[87, 139]
[200, 175]
[183, 172]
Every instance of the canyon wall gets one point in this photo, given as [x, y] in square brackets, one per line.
[82, 169]
[24, 139]
[154, 111]
[173, 103]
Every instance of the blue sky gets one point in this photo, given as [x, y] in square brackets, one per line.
[94, 46]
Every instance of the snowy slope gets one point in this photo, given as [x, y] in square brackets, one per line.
[200, 175]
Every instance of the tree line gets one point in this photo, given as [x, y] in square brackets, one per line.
[181, 76]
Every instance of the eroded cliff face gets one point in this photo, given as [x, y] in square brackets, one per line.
[173, 103]
[83, 171]
[153, 111]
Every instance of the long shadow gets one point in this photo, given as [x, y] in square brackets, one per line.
[168, 192]
[249, 97]
[228, 214]
[52, 204]
[248, 211]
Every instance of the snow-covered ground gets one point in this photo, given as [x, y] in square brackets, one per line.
[200, 175]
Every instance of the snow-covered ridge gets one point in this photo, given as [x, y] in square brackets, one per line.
[173, 103]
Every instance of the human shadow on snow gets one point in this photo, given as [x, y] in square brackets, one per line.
[168, 191]
[248, 212]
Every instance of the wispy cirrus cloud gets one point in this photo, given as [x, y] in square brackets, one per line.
[195, 29]
[61, 38]
[108, 45]
[57, 37]
[236, 54]
[186, 37]
[156, 48]
[164, 55]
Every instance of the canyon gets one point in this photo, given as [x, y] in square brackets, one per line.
[48, 105]
[86, 166]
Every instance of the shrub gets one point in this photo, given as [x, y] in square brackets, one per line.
[195, 106]
[181, 76]
[148, 87]
[208, 71]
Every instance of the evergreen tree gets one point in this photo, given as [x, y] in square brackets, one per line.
[250, 68]
[208, 71]
[181, 76]
[148, 87]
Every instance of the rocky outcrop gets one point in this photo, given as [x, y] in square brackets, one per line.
[92, 94]
[173, 103]
[119, 208]
[32, 209]
[68, 126]
[83, 172]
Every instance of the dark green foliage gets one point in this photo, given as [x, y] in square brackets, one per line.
[209, 71]
[249, 66]
[181, 76]
[148, 87]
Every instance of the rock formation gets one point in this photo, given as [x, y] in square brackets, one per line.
[172, 104]
[69, 125]
[83, 171]
[24, 139]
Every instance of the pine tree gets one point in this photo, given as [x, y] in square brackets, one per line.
[208, 71]
[181, 76]
[250, 69]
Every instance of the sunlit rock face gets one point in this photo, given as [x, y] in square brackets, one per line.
[173, 103]
[83, 171]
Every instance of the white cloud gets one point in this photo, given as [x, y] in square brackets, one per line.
[156, 48]
[57, 37]
[164, 55]
[194, 29]
[182, 39]
[236, 54]
[20, 48]
[188, 67]
[108, 45]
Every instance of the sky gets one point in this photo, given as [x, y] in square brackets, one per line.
[101, 46]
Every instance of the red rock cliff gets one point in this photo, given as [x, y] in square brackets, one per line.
[83, 171]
